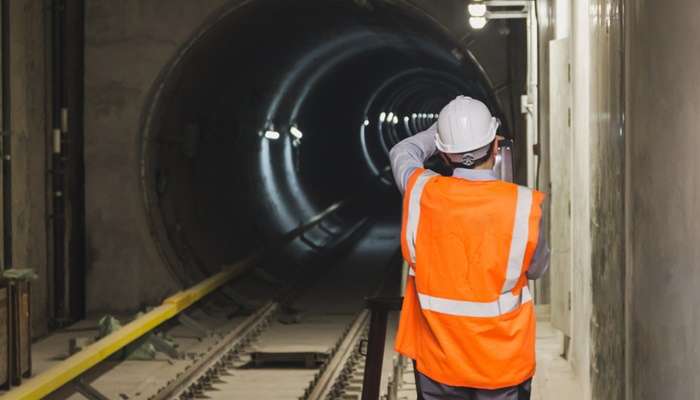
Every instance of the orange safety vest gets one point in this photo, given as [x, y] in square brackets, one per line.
[467, 317]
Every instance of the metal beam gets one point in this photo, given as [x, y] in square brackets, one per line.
[508, 3]
[506, 15]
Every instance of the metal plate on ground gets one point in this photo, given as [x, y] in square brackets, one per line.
[305, 359]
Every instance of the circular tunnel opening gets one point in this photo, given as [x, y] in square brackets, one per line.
[276, 110]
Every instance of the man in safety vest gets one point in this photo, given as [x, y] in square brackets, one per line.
[471, 241]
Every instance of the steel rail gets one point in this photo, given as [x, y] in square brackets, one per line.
[68, 370]
[215, 361]
[325, 385]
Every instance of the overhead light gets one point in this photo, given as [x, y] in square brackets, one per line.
[382, 117]
[366, 122]
[296, 132]
[477, 22]
[405, 119]
[477, 9]
[272, 134]
[414, 115]
[396, 119]
[390, 117]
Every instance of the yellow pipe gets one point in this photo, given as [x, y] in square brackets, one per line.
[72, 367]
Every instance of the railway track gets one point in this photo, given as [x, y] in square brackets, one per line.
[305, 348]
[261, 337]
[218, 376]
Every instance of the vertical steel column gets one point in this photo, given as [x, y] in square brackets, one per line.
[59, 124]
[5, 136]
[5, 198]
[73, 75]
[379, 308]
[386, 299]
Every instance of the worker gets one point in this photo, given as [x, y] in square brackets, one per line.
[471, 242]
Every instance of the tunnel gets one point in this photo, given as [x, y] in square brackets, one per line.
[276, 110]
[152, 150]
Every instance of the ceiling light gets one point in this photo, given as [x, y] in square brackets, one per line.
[272, 135]
[296, 132]
[477, 22]
[382, 117]
[477, 9]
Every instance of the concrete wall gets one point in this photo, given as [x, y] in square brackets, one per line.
[607, 223]
[30, 96]
[663, 103]
[580, 202]
[546, 21]
[128, 43]
[597, 349]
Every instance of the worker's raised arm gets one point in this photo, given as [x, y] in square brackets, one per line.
[540, 260]
[411, 153]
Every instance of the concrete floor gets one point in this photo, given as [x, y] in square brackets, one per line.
[554, 379]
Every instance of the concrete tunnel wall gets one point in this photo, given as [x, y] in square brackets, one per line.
[662, 194]
[596, 161]
[128, 46]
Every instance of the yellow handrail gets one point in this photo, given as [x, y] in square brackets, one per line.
[69, 369]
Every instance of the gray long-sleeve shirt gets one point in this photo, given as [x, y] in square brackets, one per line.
[411, 153]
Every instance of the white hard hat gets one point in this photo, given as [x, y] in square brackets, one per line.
[465, 124]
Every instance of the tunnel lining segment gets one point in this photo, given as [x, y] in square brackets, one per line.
[162, 93]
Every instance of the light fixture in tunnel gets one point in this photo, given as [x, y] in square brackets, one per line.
[395, 120]
[272, 134]
[366, 123]
[477, 9]
[390, 117]
[406, 119]
[296, 132]
[382, 117]
[477, 22]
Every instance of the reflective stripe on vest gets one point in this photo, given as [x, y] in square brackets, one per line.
[507, 301]
[518, 241]
[414, 212]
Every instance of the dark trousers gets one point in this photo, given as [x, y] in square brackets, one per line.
[429, 389]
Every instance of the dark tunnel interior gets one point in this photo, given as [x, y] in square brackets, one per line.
[276, 110]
